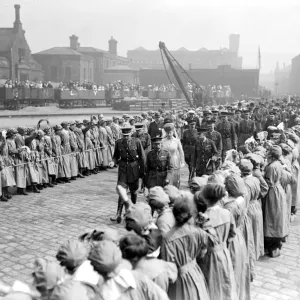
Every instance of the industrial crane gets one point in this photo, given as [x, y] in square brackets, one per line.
[173, 63]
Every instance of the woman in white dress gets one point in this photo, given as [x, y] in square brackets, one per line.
[174, 147]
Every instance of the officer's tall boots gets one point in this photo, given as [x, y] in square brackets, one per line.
[133, 197]
[118, 217]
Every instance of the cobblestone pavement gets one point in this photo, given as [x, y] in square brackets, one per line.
[35, 225]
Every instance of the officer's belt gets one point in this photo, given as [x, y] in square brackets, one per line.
[128, 160]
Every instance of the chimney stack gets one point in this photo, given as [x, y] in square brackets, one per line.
[17, 23]
[74, 42]
[112, 46]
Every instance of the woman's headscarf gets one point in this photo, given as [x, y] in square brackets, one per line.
[276, 151]
[173, 192]
[47, 274]
[198, 182]
[102, 234]
[105, 257]
[231, 167]
[218, 177]
[72, 254]
[157, 197]
[140, 213]
[246, 166]
[235, 185]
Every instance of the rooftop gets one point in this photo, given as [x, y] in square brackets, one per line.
[59, 51]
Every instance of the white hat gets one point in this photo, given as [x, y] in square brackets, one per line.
[191, 112]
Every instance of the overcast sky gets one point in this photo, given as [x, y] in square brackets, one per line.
[272, 24]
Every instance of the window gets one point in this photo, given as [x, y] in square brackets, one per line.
[91, 77]
[21, 54]
[67, 73]
[54, 73]
[84, 73]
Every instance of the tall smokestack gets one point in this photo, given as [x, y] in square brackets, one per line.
[17, 23]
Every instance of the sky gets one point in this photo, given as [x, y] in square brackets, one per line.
[272, 25]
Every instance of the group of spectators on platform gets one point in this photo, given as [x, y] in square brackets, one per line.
[27, 84]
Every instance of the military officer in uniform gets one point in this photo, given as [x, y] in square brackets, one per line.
[226, 129]
[155, 126]
[130, 156]
[238, 115]
[215, 115]
[246, 128]
[207, 117]
[205, 154]
[189, 139]
[272, 121]
[192, 116]
[159, 168]
[215, 136]
[235, 123]
[144, 137]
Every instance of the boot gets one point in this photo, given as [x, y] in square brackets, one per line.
[22, 191]
[45, 185]
[118, 217]
[40, 186]
[133, 198]
[53, 180]
[73, 178]
[6, 193]
[3, 198]
[80, 175]
[67, 180]
[35, 189]
[50, 182]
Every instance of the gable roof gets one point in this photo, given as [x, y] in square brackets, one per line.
[6, 38]
[203, 49]
[59, 51]
[140, 49]
[182, 49]
[91, 49]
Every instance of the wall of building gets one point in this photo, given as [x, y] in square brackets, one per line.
[129, 77]
[294, 81]
[4, 73]
[87, 70]
[242, 82]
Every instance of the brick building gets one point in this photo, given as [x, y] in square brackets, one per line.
[76, 63]
[121, 72]
[241, 81]
[200, 59]
[16, 61]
